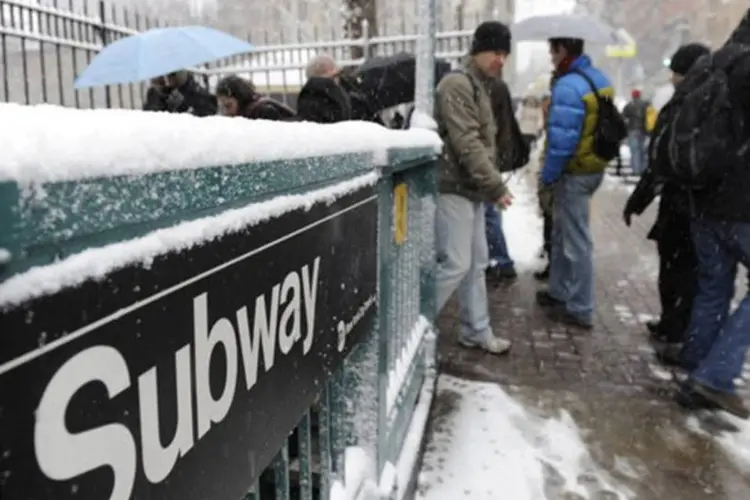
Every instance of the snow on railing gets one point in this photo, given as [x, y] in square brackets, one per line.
[50, 143]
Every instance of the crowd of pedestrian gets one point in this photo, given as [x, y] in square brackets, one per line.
[695, 155]
[329, 95]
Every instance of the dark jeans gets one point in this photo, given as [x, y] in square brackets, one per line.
[678, 278]
[717, 341]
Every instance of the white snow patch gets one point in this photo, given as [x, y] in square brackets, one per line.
[522, 225]
[397, 375]
[420, 119]
[489, 446]
[47, 143]
[96, 263]
[395, 478]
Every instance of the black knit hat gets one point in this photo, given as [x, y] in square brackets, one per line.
[491, 36]
[686, 56]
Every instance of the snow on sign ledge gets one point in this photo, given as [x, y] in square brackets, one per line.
[96, 263]
[48, 143]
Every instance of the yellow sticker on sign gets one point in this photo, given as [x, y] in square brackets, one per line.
[400, 197]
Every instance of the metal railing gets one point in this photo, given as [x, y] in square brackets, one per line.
[44, 47]
[367, 403]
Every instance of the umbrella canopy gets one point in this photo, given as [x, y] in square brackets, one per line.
[584, 27]
[157, 52]
[390, 80]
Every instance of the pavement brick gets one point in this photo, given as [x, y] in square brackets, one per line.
[609, 370]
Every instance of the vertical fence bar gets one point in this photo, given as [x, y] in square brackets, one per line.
[280, 467]
[38, 17]
[306, 464]
[87, 32]
[384, 332]
[4, 57]
[58, 52]
[74, 54]
[324, 440]
[104, 35]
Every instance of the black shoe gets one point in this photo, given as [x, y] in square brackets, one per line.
[497, 273]
[544, 299]
[691, 400]
[653, 327]
[727, 401]
[542, 275]
[671, 355]
[559, 314]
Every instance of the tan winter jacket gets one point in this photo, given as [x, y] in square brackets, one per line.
[467, 166]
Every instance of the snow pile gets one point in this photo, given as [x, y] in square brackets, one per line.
[523, 226]
[50, 143]
[420, 119]
[95, 263]
[486, 445]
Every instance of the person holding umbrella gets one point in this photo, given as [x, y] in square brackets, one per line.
[178, 92]
[574, 165]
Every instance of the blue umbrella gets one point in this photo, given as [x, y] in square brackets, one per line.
[157, 52]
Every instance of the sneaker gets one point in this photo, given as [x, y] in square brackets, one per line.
[544, 299]
[493, 345]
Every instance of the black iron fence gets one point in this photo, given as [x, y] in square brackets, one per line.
[44, 46]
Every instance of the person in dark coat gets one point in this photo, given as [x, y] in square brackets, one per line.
[322, 100]
[512, 153]
[678, 264]
[362, 106]
[179, 92]
[716, 346]
[238, 97]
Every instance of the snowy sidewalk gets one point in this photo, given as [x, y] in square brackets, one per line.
[571, 415]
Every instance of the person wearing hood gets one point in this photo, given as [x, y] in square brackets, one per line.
[179, 92]
[322, 99]
[238, 97]
[575, 172]
[678, 264]
[716, 345]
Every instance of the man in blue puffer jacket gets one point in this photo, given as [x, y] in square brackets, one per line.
[576, 172]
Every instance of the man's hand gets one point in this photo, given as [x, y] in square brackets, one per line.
[504, 201]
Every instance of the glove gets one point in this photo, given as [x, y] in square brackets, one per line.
[627, 216]
[174, 100]
[546, 196]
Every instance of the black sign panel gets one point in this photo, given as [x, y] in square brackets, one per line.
[182, 380]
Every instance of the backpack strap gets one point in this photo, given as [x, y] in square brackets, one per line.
[474, 84]
[589, 81]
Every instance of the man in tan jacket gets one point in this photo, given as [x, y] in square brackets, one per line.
[467, 179]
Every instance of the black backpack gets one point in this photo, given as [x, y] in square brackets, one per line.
[705, 128]
[521, 148]
[610, 128]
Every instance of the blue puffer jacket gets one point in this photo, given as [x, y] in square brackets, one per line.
[572, 121]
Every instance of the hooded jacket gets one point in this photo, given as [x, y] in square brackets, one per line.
[728, 200]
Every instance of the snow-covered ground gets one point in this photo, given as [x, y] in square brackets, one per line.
[522, 224]
[487, 445]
